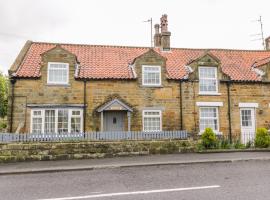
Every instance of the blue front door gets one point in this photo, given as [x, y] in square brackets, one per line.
[114, 121]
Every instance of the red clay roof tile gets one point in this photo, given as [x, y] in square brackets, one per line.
[112, 62]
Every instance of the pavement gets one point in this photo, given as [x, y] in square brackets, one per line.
[125, 162]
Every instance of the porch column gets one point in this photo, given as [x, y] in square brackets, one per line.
[101, 121]
[128, 116]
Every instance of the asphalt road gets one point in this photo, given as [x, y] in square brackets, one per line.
[237, 180]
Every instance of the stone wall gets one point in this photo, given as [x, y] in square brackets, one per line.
[37, 91]
[165, 97]
[98, 92]
[239, 93]
[84, 150]
[250, 93]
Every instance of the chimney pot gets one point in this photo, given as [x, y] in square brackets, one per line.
[267, 43]
[165, 34]
[156, 28]
[157, 36]
[164, 23]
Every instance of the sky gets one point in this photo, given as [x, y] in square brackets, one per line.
[192, 23]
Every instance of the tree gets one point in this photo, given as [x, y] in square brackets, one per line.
[3, 95]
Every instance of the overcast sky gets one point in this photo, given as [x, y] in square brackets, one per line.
[193, 23]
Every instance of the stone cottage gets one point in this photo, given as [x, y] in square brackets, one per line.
[76, 88]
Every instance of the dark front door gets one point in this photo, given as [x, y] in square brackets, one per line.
[114, 121]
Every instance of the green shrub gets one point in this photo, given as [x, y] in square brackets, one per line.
[239, 145]
[225, 144]
[3, 125]
[262, 139]
[209, 139]
[199, 146]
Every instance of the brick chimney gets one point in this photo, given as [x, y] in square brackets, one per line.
[267, 43]
[157, 36]
[165, 34]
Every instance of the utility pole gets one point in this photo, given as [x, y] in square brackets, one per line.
[151, 30]
[260, 34]
[263, 42]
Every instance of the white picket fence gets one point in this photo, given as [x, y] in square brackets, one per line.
[92, 136]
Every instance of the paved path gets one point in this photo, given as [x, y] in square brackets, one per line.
[172, 159]
[223, 181]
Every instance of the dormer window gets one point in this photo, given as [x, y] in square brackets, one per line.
[58, 73]
[151, 75]
[208, 81]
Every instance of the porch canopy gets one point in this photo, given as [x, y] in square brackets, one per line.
[114, 105]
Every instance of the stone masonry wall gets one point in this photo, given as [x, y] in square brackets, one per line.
[240, 93]
[166, 97]
[86, 150]
[132, 92]
[37, 91]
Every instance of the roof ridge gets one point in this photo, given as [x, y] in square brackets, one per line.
[144, 47]
[263, 59]
[93, 45]
[220, 49]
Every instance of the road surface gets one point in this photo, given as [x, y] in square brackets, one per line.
[237, 180]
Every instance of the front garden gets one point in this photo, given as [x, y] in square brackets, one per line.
[210, 141]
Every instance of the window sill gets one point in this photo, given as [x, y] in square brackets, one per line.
[57, 85]
[209, 94]
[152, 86]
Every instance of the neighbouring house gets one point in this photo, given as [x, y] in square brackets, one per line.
[76, 88]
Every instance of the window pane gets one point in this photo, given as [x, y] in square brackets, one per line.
[246, 118]
[62, 121]
[75, 124]
[207, 85]
[208, 118]
[37, 125]
[207, 79]
[49, 121]
[151, 113]
[58, 73]
[151, 75]
[152, 123]
[56, 121]
[37, 113]
[76, 112]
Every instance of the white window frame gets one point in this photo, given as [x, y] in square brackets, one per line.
[216, 79]
[151, 84]
[42, 118]
[57, 82]
[81, 117]
[160, 118]
[217, 117]
[56, 118]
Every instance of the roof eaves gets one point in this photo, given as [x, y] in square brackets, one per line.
[108, 104]
[261, 62]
